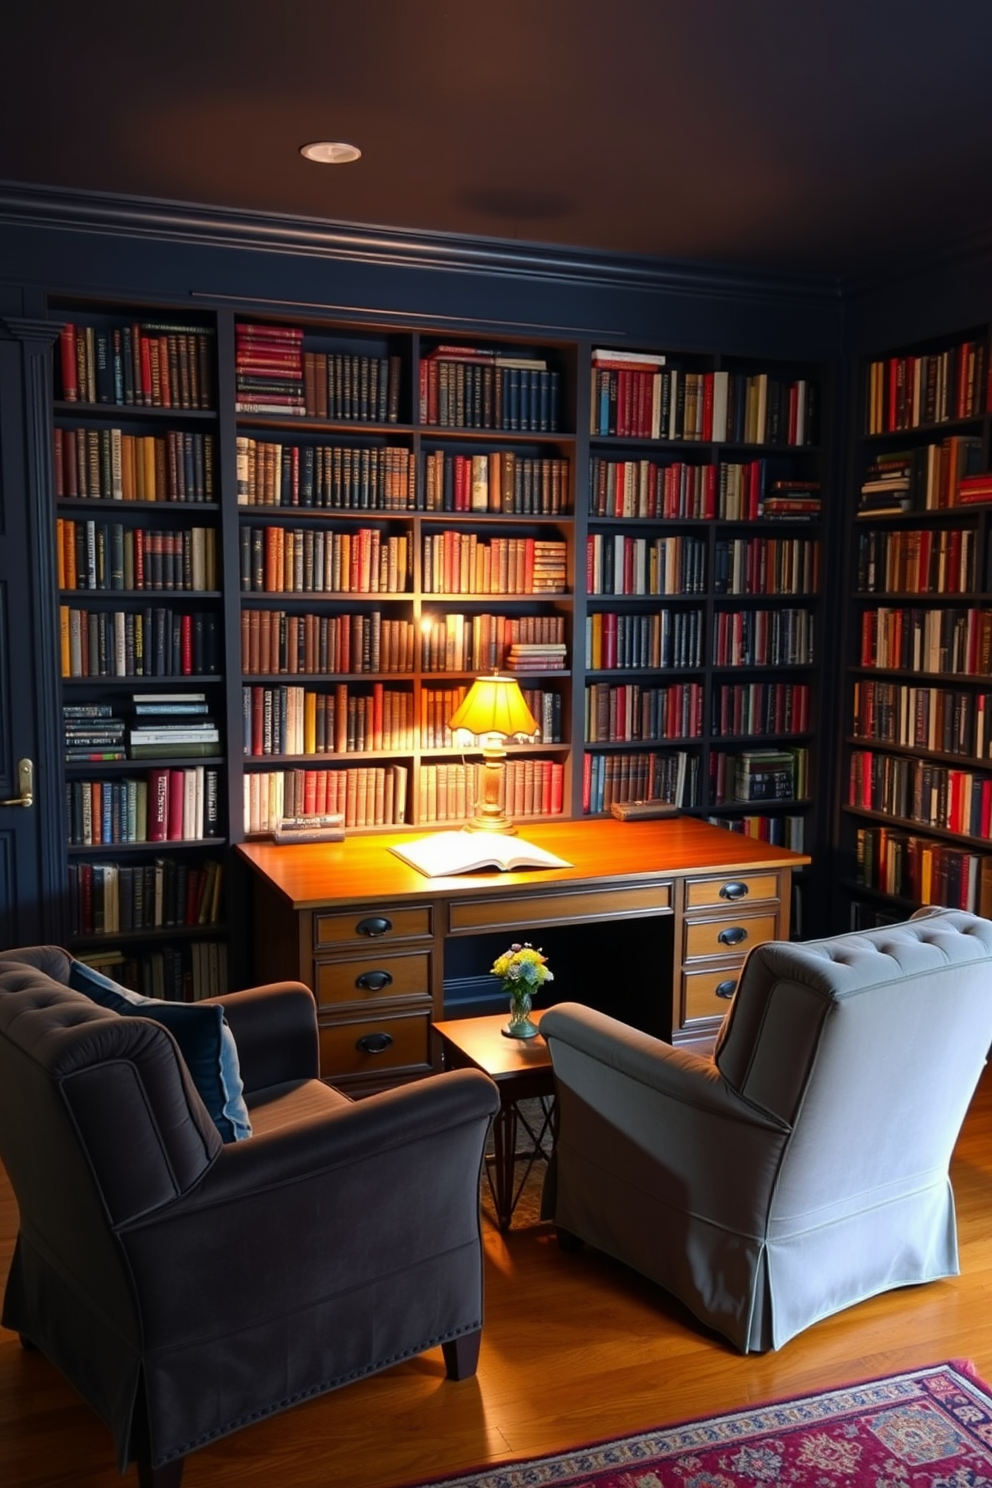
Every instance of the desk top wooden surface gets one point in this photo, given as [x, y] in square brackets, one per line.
[315, 875]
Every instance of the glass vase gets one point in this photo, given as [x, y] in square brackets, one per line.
[520, 1025]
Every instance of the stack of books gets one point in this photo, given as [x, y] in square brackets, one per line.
[791, 500]
[92, 732]
[170, 724]
[764, 775]
[973, 489]
[536, 656]
[550, 573]
[268, 369]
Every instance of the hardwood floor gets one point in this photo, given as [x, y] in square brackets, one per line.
[574, 1349]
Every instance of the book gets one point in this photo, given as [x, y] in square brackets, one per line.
[446, 853]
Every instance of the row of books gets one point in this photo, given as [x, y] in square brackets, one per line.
[629, 712]
[664, 638]
[917, 561]
[109, 555]
[463, 563]
[758, 709]
[156, 642]
[111, 898]
[141, 363]
[620, 564]
[274, 641]
[639, 775]
[923, 871]
[164, 805]
[497, 481]
[909, 392]
[365, 795]
[763, 638]
[326, 476]
[928, 640]
[935, 718]
[352, 387]
[295, 720]
[928, 477]
[449, 792]
[96, 464]
[363, 560]
[781, 830]
[760, 775]
[766, 565]
[640, 401]
[919, 790]
[729, 491]
[472, 388]
[185, 971]
[476, 643]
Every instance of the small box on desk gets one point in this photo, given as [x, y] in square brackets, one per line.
[326, 828]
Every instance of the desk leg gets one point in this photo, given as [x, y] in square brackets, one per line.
[504, 1161]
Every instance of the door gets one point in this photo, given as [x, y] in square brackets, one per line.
[32, 862]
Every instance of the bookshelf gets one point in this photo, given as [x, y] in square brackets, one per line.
[916, 778]
[320, 532]
[705, 560]
[136, 521]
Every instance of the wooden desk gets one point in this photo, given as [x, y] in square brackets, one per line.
[660, 912]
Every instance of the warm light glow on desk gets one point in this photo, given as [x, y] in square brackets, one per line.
[494, 710]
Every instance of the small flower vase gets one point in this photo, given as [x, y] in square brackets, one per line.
[520, 1025]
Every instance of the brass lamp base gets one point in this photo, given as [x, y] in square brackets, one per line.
[490, 816]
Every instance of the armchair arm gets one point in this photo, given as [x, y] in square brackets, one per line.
[288, 1219]
[275, 1029]
[678, 1074]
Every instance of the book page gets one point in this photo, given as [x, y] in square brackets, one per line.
[445, 853]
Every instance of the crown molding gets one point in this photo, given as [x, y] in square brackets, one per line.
[63, 210]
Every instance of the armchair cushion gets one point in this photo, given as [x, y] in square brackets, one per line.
[204, 1038]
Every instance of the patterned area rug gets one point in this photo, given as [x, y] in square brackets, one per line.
[931, 1428]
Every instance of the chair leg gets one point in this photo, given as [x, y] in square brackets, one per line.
[461, 1355]
[168, 1476]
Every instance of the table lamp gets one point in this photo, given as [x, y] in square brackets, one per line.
[494, 710]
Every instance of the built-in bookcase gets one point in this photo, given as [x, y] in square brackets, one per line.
[319, 533]
[916, 762]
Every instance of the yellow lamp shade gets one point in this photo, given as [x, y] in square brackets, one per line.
[494, 705]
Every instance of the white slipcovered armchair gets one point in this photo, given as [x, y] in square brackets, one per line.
[805, 1166]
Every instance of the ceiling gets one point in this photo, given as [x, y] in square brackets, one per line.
[809, 136]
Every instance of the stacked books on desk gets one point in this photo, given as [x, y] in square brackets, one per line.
[326, 826]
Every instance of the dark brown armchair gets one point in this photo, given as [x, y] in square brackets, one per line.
[187, 1285]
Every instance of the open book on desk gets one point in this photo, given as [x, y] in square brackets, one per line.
[445, 853]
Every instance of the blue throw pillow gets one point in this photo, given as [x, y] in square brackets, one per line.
[204, 1038]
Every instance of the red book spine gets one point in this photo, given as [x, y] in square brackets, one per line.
[186, 645]
[176, 794]
[67, 351]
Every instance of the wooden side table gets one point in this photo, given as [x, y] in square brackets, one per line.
[522, 1070]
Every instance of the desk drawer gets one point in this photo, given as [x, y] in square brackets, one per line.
[708, 994]
[725, 936]
[374, 1048]
[518, 911]
[744, 888]
[373, 924]
[373, 977]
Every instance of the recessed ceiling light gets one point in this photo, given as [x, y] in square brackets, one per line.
[331, 152]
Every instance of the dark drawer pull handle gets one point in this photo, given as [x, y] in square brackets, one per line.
[373, 981]
[725, 989]
[733, 935]
[374, 1043]
[735, 890]
[374, 925]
